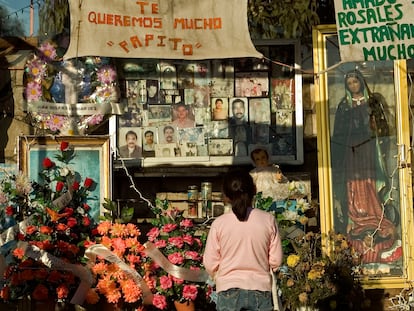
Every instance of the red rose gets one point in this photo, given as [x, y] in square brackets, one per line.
[88, 182]
[86, 221]
[86, 207]
[59, 186]
[9, 210]
[72, 222]
[75, 185]
[64, 146]
[68, 211]
[61, 227]
[47, 163]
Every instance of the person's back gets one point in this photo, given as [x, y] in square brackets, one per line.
[242, 247]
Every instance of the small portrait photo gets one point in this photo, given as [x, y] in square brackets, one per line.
[252, 84]
[149, 140]
[202, 116]
[183, 116]
[259, 110]
[168, 79]
[159, 114]
[129, 142]
[220, 147]
[188, 149]
[201, 96]
[260, 133]
[219, 108]
[238, 110]
[152, 92]
[222, 78]
[191, 135]
[167, 135]
[165, 150]
[283, 145]
[218, 129]
[283, 94]
[284, 121]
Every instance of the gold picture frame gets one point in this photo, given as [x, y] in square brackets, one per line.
[92, 159]
[345, 180]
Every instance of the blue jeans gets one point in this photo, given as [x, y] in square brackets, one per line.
[236, 299]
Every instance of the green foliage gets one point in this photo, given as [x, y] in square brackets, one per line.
[115, 213]
[53, 16]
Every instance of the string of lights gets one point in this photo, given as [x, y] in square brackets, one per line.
[21, 10]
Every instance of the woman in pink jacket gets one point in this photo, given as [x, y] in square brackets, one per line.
[243, 246]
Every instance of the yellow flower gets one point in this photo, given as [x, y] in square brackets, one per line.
[290, 282]
[303, 297]
[292, 260]
[313, 274]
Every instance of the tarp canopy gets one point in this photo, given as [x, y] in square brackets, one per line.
[169, 29]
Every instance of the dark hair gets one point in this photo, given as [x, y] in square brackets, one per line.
[239, 188]
[131, 133]
[258, 150]
[168, 127]
[148, 132]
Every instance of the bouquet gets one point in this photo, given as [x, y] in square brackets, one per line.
[311, 278]
[45, 231]
[114, 281]
[178, 240]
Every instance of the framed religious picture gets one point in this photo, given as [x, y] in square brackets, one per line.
[90, 158]
[159, 114]
[364, 179]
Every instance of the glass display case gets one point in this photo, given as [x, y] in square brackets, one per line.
[364, 170]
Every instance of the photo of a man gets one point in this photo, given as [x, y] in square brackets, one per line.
[167, 135]
[131, 149]
[182, 117]
[238, 111]
[148, 145]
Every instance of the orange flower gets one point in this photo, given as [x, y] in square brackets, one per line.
[18, 252]
[55, 216]
[45, 230]
[62, 291]
[5, 293]
[31, 229]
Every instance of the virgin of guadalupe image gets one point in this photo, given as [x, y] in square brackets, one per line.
[361, 183]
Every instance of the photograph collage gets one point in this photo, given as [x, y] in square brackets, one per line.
[207, 108]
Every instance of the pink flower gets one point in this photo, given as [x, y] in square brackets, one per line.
[192, 255]
[160, 243]
[188, 239]
[94, 119]
[153, 234]
[106, 75]
[36, 68]
[33, 91]
[55, 122]
[159, 301]
[165, 282]
[189, 292]
[48, 51]
[176, 258]
[186, 223]
[176, 241]
[169, 227]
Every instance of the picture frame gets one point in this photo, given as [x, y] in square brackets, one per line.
[92, 160]
[220, 147]
[386, 260]
[165, 150]
[121, 146]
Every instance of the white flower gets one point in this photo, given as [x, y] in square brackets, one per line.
[302, 204]
[64, 171]
[290, 215]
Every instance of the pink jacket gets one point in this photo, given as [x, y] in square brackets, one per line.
[241, 254]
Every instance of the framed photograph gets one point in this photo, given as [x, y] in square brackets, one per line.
[153, 88]
[188, 149]
[251, 84]
[219, 108]
[167, 134]
[149, 140]
[159, 114]
[259, 110]
[92, 159]
[283, 94]
[222, 78]
[260, 133]
[129, 143]
[284, 121]
[165, 150]
[191, 135]
[172, 96]
[220, 147]
[168, 76]
[361, 179]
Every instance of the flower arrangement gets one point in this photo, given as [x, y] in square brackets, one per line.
[176, 238]
[310, 278]
[45, 231]
[114, 283]
[50, 80]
